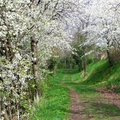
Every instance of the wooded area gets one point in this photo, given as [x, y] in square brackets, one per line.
[37, 37]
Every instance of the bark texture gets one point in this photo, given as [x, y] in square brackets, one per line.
[35, 60]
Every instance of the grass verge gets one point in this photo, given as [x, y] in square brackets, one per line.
[99, 74]
[55, 105]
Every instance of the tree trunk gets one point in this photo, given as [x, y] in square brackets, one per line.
[79, 67]
[84, 62]
[70, 64]
[109, 59]
[35, 65]
[8, 46]
[108, 53]
[65, 64]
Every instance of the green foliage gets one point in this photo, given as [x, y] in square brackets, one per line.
[51, 63]
[61, 64]
[67, 63]
[78, 55]
[90, 59]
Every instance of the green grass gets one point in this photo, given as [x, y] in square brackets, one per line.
[96, 105]
[99, 74]
[56, 103]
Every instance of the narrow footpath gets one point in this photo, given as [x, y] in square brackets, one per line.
[77, 106]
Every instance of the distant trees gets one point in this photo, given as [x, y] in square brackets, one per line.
[81, 51]
[99, 23]
[103, 29]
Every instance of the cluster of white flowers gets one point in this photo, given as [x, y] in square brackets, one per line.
[103, 28]
[17, 22]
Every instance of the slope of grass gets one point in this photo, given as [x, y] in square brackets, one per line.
[99, 74]
[56, 103]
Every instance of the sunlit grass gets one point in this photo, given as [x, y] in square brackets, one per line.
[97, 107]
[55, 105]
[99, 74]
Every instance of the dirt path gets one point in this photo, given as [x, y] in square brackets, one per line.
[111, 96]
[96, 105]
[77, 106]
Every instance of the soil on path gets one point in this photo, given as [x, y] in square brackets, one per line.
[111, 96]
[77, 106]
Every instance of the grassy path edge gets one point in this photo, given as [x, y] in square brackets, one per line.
[112, 97]
[55, 105]
[77, 106]
[97, 106]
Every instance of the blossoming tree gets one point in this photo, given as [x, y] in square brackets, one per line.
[28, 31]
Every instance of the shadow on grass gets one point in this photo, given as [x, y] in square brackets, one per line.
[105, 109]
[74, 71]
[101, 73]
[95, 107]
